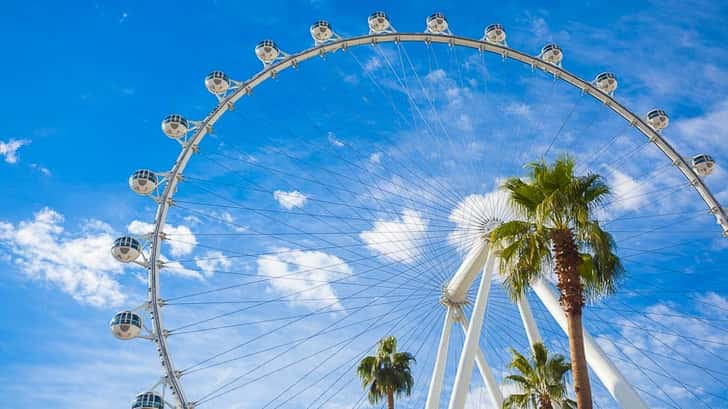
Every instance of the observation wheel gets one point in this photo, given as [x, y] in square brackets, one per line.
[319, 216]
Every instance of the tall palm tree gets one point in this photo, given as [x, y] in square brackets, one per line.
[387, 373]
[540, 381]
[558, 229]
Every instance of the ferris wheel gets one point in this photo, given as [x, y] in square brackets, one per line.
[284, 266]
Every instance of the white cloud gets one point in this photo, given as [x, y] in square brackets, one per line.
[176, 268]
[628, 193]
[181, 240]
[9, 149]
[213, 261]
[290, 200]
[351, 79]
[372, 64]
[520, 109]
[479, 397]
[192, 219]
[397, 239]
[652, 341]
[437, 75]
[79, 264]
[334, 140]
[464, 123]
[375, 158]
[540, 28]
[713, 303]
[40, 168]
[303, 275]
[227, 217]
[708, 131]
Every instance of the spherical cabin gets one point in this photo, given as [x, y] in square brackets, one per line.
[126, 325]
[217, 82]
[175, 126]
[606, 82]
[658, 119]
[552, 54]
[495, 33]
[437, 23]
[703, 164]
[148, 400]
[267, 51]
[378, 22]
[143, 181]
[126, 249]
[321, 31]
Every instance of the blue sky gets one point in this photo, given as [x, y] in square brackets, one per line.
[370, 153]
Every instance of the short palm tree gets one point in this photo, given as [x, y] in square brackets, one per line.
[558, 229]
[387, 374]
[540, 381]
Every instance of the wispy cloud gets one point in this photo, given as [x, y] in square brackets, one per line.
[290, 200]
[213, 261]
[78, 263]
[333, 140]
[398, 239]
[40, 168]
[629, 194]
[304, 276]
[9, 149]
[180, 238]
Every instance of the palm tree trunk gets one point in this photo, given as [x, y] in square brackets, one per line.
[390, 399]
[567, 261]
[579, 371]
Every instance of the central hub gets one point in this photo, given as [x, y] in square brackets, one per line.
[446, 298]
[487, 225]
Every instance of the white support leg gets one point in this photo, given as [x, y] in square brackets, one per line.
[489, 380]
[534, 336]
[467, 357]
[610, 376]
[438, 372]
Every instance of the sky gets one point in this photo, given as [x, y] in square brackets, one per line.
[330, 206]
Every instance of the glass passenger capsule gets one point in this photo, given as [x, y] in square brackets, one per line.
[126, 325]
[267, 51]
[143, 181]
[321, 31]
[658, 119]
[378, 22]
[495, 33]
[217, 82]
[175, 126]
[437, 23]
[552, 54]
[606, 82]
[148, 400]
[703, 164]
[126, 249]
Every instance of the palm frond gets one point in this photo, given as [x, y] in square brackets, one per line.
[517, 401]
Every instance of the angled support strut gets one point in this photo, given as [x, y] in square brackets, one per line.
[489, 380]
[472, 338]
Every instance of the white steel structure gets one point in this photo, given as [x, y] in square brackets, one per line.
[479, 262]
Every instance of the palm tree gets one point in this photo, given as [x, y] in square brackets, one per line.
[558, 229]
[540, 381]
[387, 373]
